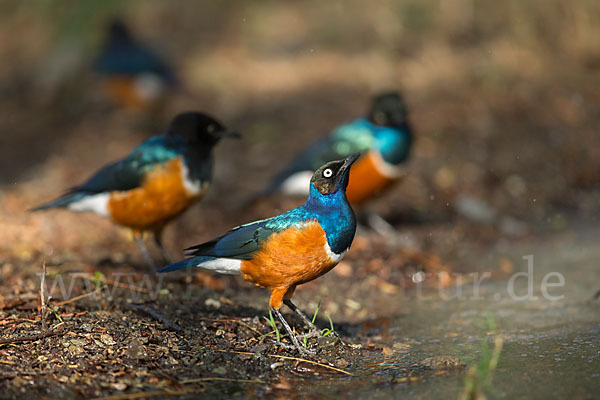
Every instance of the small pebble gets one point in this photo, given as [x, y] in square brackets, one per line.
[120, 386]
[212, 303]
[136, 350]
[107, 339]
[219, 370]
[401, 347]
[75, 350]
[325, 341]
[79, 342]
[342, 363]
[442, 362]
[276, 365]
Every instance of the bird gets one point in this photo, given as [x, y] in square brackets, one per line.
[155, 183]
[282, 252]
[136, 77]
[384, 137]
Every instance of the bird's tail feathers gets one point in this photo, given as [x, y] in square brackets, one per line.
[220, 265]
[62, 201]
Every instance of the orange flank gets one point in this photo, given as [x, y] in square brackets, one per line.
[370, 175]
[287, 259]
[125, 92]
[162, 197]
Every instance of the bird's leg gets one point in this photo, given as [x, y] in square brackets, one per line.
[276, 300]
[307, 321]
[144, 250]
[314, 329]
[294, 339]
[159, 244]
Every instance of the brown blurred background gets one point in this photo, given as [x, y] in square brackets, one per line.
[504, 98]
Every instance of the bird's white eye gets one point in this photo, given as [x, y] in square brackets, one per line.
[327, 173]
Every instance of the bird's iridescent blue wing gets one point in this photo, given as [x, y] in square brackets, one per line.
[129, 172]
[130, 59]
[243, 241]
[240, 243]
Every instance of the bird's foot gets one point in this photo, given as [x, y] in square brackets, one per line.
[311, 325]
[305, 351]
[316, 332]
[293, 337]
[313, 333]
[295, 345]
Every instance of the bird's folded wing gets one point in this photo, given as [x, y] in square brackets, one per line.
[129, 172]
[132, 59]
[239, 243]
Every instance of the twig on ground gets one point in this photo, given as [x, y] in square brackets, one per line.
[31, 338]
[141, 395]
[43, 297]
[218, 379]
[311, 362]
[125, 286]
[81, 296]
[11, 375]
[154, 314]
[17, 321]
[289, 358]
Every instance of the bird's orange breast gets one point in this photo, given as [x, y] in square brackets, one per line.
[370, 175]
[162, 196]
[289, 258]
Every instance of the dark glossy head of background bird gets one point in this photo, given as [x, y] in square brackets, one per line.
[198, 128]
[333, 176]
[118, 32]
[388, 109]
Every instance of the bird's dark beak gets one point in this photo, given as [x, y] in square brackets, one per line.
[344, 171]
[230, 134]
[348, 161]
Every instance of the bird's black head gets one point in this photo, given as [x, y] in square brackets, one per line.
[118, 32]
[198, 128]
[333, 176]
[388, 109]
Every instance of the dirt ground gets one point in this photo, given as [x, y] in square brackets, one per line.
[501, 157]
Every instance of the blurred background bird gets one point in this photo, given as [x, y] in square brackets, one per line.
[134, 76]
[290, 249]
[384, 137]
[156, 182]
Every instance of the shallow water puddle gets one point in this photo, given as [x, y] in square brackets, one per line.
[551, 343]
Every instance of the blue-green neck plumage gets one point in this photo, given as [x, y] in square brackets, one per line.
[392, 142]
[335, 216]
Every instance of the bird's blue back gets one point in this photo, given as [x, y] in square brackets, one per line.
[129, 172]
[128, 58]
